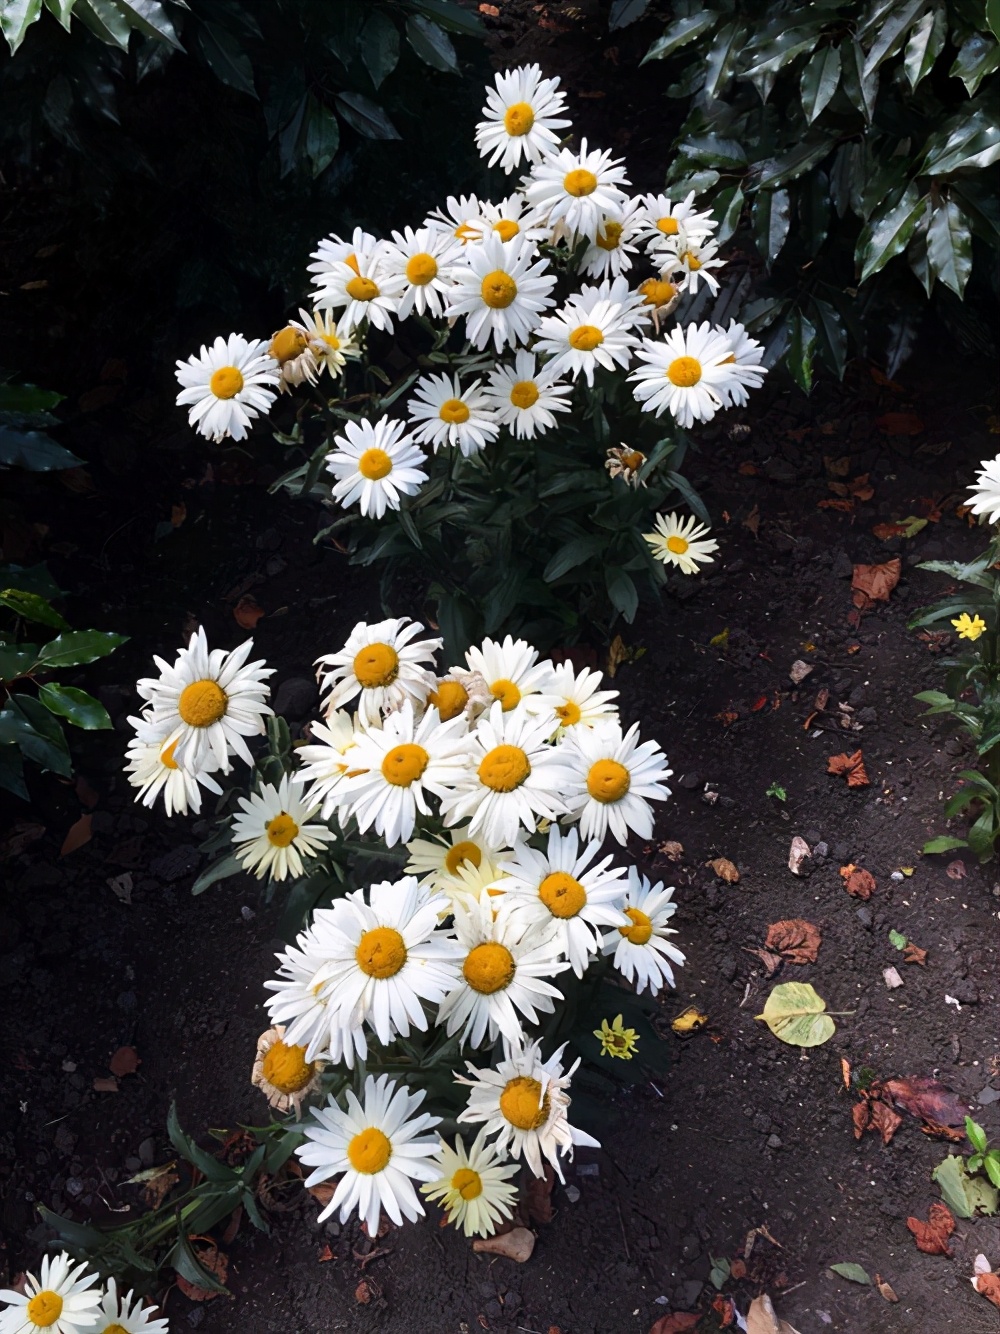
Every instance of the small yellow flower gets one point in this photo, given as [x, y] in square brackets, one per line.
[616, 1040]
[969, 627]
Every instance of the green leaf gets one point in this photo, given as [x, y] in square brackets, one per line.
[978, 56]
[17, 660]
[75, 705]
[831, 336]
[16, 17]
[898, 940]
[889, 232]
[861, 89]
[450, 16]
[27, 397]
[680, 33]
[33, 450]
[820, 77]
[891, 34]
[192, 1153]
[692, 497]
[12, 772]
[993, 17]
[970, 139]
[801, 350]
[965, 1196]
[624, 12]
[379, 46]
[322, 136]
[728, 209]
[62, 9]
[220, 870]
[151, 19]
[949, 245]
[183, 1259]
[771, 173]
[431, 43]
[572, 554]
[976, 1135]
[77, 647]
[366, 116]
[719, 60]
[852, 1272]
[105, 20]
[622, 591]
[796, 1013]
[771, 213]
[27, 724]
[944, 843]
[925, 45]
[31, 607]
[225, 57]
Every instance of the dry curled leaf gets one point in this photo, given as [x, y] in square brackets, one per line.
[247, 611]
[671, 849]
[932, 1237]
[885, 1289]
[794, 939]
[874, 583]
[914, 954]
[858, 882]
[799, 853]
[678, 1323]
[925, 1097]
[884, 1120]
[76, 836]
[157, 1183]
[851, 766]
[105, 1084]
[989, 1286]
[771, 962]
[517, 1245]
[124, 1062]
[956, 870]
[763, 1319]
[899, 423]
[363, 1293]
[725, 870]
[689, 1021]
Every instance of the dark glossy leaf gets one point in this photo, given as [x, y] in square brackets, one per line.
[970, 139]
[831, 336]
[79, 646]
[366, 116]
[29, 578]
[949, 245]
[925, 45]
[624, 12]
[572, 554]
[977, 57]
[814, 210]
[16, 17]
[889, 231]
[820, 77]
[183, 1259]
[680, 33]
[192, 1153]
[801, 350]
[105, 20]
[774, 53]
[692, 497]
[431, 43]
[728, 209]
[720, 59]
[379, 46]
[891, 34]
[711, 150]
[771, 213]
[12, 772]
[845, 179]
[225, 57]
[33, 450]
[27, 398]
[220, 870]
[450, 16]
[917, 257]
[151, 18]
[774, 172]
[993, 17]
[622, 591]
[62, 9]
[903, 331]
[861, 88]
[322, 136]
[31, 607]
[76, 706]
[27, 724]
[17, 660]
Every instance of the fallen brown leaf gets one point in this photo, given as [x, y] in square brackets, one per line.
[515, 1245]
[178, 513]
[861, 1115]
[363, 1293]
[677, 1323]
[844, 506]
[323, 1192]
[874, 583]
[914, 954]
[851, 766]
[752, 521]
[899, 423]
[989, 1286]
[105, 1084]
[932, 1237]
[845, 1072]
[217, 1264]
[326, 1254]
[956, 870]
[771, 962]
[725, 870]
[232, 1227]
[725, 1310]
[157, 1187]
[124, 1062]
[799, 852]
[794, 939]
[763, 1319]
[248, 611]
[617, 654]
[76, 835]
[884, 1289]
[924, 1097]
[837, 467]
[884, 1120]
[671, 849]
[935, 1131]
[858, 882]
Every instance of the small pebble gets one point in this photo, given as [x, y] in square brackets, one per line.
[897, 875]
[572, 1194]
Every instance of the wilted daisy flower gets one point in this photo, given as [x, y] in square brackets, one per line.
[579, 701]
[511, 217]
[375, 466]
[474, 1186]
[57, 1301]
[207, 702]
[289, 347]
[521, 114]
[443, 413]
[299, 1002]
[501, 289]
[376, 1149]
[525, 399]
[681, 542]
[616, 1040]
[323, 760]
[275, 831]
[559, 888]
[504, 961]
[459, 691]
[152, 768]
[616, 241]
[227, 385]
[697, 261]
[513, 674]
[436, 859]
[127, 1315]
[984, 495]
[685, 371]
[459, 218]
[283, 1073]
[744, 362]
[592, 329]
[642, 951]
[366, 290]
[423, 259]
[577, 190]
[382, 665]
[330, 346]
[626, 463]
[614, 779]
[524, 1103]
[660, 295]
[334, 250]
[667, 225]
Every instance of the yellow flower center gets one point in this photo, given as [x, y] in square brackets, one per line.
[286, 1067]
[362, 289]
[226, 382]
[657, 292]
[586, 337]
[506, 229]
[45, 1308]
[282, 830]
[374, 464]
[504, 768]
[370, 1151]
[468, 1183]
[465, 232]
[404, 764]
[202, 703]
[167, 756]
[450, 698]
[454, 410]
[678, 545]
[579, 182]
[684, 372]
[562, 895]
[460, 854]
[518, 119]
[499, 289]
[692, 261]
[114, 1329]
[524, 394]
[610, 237]
[608, 781]
[489, 967]
[569, 713]
[381, 952]
[376, 665]
[640, 930]
[507, 693]
[668, 226]
[331, 340]
[522, 1104]
[421, 269]
[286, 344]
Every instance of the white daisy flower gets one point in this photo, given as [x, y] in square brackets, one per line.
[642, 952]
[424, 260]
[667, 225]
[323, 760]
[395, 765]
[227, 385]
[744, 362]
[376, 1149]
[525, 399]
[459, 218]
[443, 413]
[681, 542]
[466, 886]
[524, 1102]
[504, 962]
[614, 780]
[275, 831]
[559, 888]
[592, 329]
[127, 1314]
[334, 250]
[329, 345]
[474, 1186]
[577, 190]
[501, 289]
[579, 701]
[380, 664]
[459, 691]
[438, 859]
[521, 114]
[365, 289]
[283, 1073]
[511, 217]
[984, 494]
[513, 674]
[615, 242]
[299, 1002]
[152, 768]
[697, 260]
[207, 702]
[685, 371]
[58, 1301]
[375, 466]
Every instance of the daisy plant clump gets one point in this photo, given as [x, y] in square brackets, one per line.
[66, 1297]
[501, 394]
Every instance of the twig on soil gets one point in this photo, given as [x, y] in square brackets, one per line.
[365, 1260]
[621, 1222]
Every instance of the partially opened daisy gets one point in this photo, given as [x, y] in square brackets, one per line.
[329, 345]
[465, 887]
[592, 329]
[615, 242]
[395, 766]
[512, 217]
[423, 259]
[744, 362]
[615, 777]
[275, 832]
[984, 495]
[283, 1072]
[227, 385]
[376, 1148]
[438, 859]
[125, 1314]
[474, 1185]
[577, 190]
[513, 674]
[667, 225]
[682, 542]
[61, 1300]
[521, 116]
[580, 702]
[383, 664]
[207, 702]
[642, 952]
[375, 466]
[459, 218]
[560, 888]
[501, 289]
[362, 288]
[524, 398]
[504, 962]
[323, 760]
[685, 371]
[443, 413]
[697, 260]
[524, 1102]
[152, 768]
[334, 250]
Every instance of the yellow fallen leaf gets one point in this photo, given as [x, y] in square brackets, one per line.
[725, 870]
[689, 1021]
[721, 639]
[907, 870]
